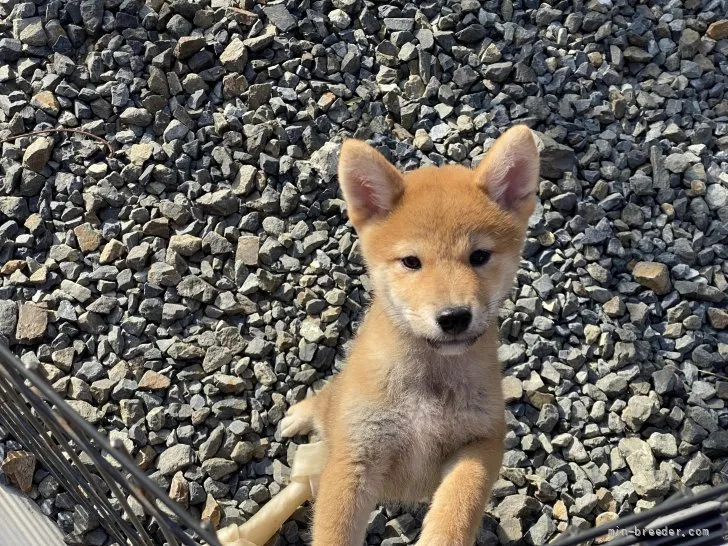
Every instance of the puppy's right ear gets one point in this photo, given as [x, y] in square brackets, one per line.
[509, 173]
[371, 185]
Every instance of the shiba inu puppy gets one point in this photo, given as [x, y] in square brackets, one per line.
[418, 411]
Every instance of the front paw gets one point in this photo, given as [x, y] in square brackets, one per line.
[299, 420]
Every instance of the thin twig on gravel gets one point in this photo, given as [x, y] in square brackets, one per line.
[706, 372]
[45, 131]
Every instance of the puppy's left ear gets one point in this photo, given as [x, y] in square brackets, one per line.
[510, 171]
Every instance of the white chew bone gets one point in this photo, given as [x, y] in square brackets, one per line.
[308, 464]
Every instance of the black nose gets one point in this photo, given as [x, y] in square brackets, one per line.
[454, 320]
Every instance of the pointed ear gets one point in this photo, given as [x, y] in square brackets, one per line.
[370, 184]
[510, 171]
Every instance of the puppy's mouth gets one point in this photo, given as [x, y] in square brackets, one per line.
[457, 343]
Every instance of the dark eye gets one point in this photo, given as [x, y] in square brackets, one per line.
[411, 262]
[479, 257]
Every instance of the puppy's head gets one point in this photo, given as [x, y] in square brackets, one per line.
[443, 244]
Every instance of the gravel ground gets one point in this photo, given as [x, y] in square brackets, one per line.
[183, 290]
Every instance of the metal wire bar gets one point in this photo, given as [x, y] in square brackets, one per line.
[85, 489]
[62, 422]
[643, 518]
[101, 465]
[131, 535]
[49, 454]
[142, 497]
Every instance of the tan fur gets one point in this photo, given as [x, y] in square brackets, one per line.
[409, 420]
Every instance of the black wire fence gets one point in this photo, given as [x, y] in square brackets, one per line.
[100, 475]
[686, 519]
